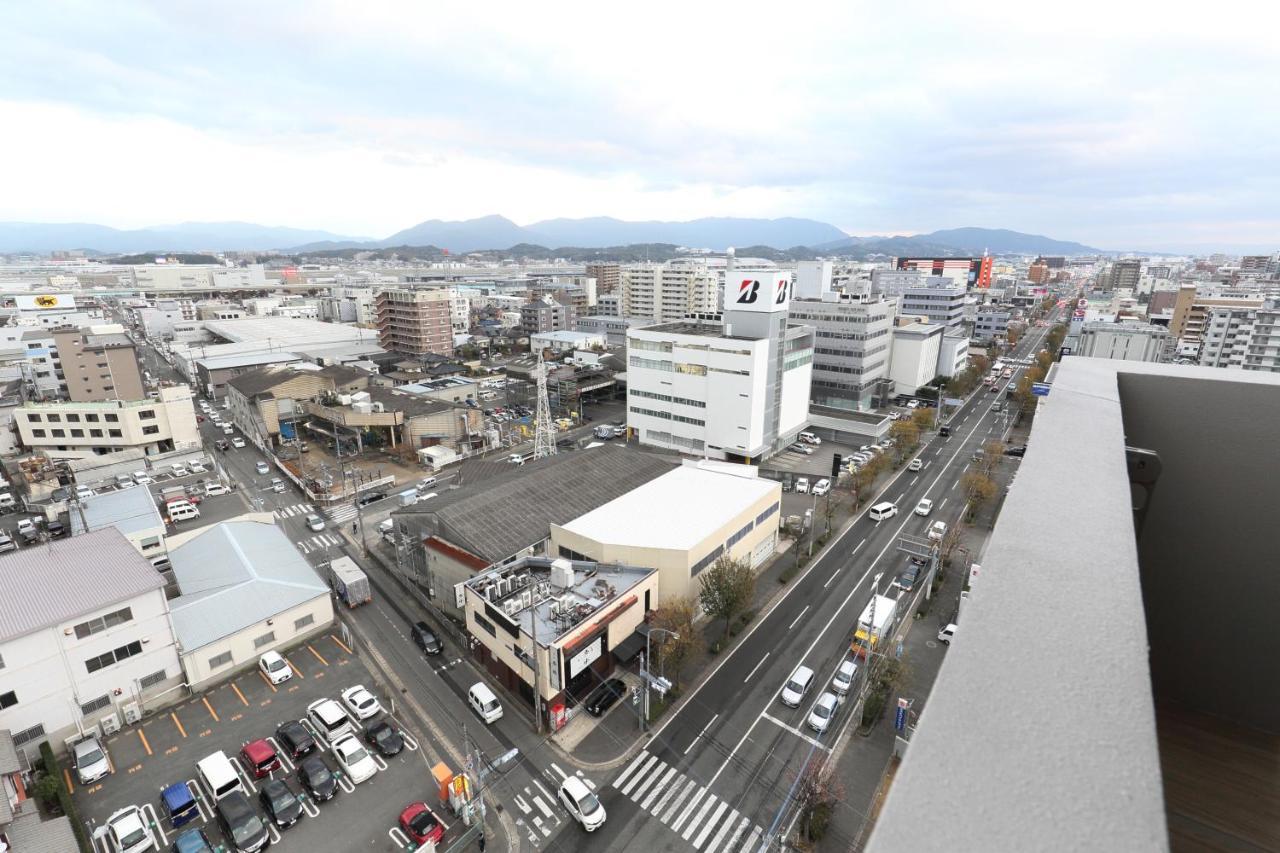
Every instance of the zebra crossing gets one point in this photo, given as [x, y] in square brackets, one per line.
[686, 808]
[317, 543]
[295, 510]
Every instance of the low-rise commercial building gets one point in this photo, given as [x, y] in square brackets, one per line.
[133, 512]
[991, 323]
[82, 430]
[680, 523]
[260, 400]
[1125, 341]
[84, 635]
[559, 342]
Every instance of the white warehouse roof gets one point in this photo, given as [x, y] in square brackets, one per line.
[678, 510]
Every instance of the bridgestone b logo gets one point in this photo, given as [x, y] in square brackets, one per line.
[748, 291]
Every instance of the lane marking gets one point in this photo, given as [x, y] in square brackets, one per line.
[653, 759]
[728, 824]
[797, 619]
[296, 671]
[697, 821]
[241, 695]
[178, 723]
[142, 735]
[830, 579]
[212, 713]
[944, 503]
[634, 764]
[667, 793]
[704, 729]
[653, 782]
[689, 787]
[319, 657]
[795, 732]
[748, 678]
[267, 681]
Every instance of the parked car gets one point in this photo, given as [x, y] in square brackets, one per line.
[802, 485]
[277, 485]
[604, 696]
[216, 489]
[83, 493]
[581, 802]
[28, 530]
[56, 529]
[193, 841]
[260, 758]
[221, 444]
[275, 667]
[384, 737]
[90, 760]
[421, 824]
[947, 634]
[1019, 451]
[6, 543]
[128, 831]
[822, 712]
[360, 702]
[281, 804]
[179, 470]
[910, 575]
[295, 740]
[228, 430]
[821, 487]
[237, 442]
[262, 467]
[317, 779]
[354, 759]
[241, 823]
[425, 639]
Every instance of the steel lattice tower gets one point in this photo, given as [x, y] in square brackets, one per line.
[544, 436]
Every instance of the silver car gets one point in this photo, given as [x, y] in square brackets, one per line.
[90, 760]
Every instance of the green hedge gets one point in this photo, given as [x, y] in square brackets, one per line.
[53, 768]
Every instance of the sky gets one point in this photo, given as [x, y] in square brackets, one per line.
[1123, 125]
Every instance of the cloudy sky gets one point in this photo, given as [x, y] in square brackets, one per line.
[1124, 125]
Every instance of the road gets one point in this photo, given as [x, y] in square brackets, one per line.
[717, 775]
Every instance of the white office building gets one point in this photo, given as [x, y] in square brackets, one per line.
[73, 430]
[916, 348]
[851, 348]
[85, 637]
[936, 298]
[736, 390]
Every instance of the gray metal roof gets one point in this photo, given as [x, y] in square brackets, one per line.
[8, 754]
[127, 510]
[30, 834]
[502, 515]
[236, 574]
[49, 584]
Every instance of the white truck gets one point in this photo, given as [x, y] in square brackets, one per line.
[874, 625]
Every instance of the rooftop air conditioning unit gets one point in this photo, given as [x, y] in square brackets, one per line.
[526, 598]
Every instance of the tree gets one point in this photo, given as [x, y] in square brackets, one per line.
[992, 451]
[978, 489]
[980, 364]
[1014, 334]
[951, 541]
[923, 419]
[905, 436]
[1043, 361]
[675, 617]
[818, 793]
[726, 589]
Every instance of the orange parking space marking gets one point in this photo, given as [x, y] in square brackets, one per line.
[267, 681]
[145, 745]
[71, 789]
[341, 644]
[241, 695]
[296, 671]
[177, 723]
[212, 713]
[317, 654]
[171, 750]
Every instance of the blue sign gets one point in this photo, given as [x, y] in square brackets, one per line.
[900, 719]
[1040, 389]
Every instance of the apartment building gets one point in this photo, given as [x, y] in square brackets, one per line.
[1124, 341]
[546, 315]
[851, 348]
[82, 430]
[1240, 337]
[1121, 274]
[99, 363]
[917, 348]
[736, 390]
[1192, 309]
[42, 368]
[938, 299]
[607, 276]
[416, 322]
[668, 292]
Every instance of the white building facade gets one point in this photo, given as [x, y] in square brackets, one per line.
[916, 348]
[83, 430]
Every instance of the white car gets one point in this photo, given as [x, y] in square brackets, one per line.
[802, 485]
[90, 760]
[823, 710]
[842, 681]
[228, 430]
[262, 468]
[315, 523]
[924, 507]
[354, 758]
[237, 442]
[581, 802]
[196, 468]
[275, 667]
[947, 634]
[216, 489]
[128, 832]
[179, 470]
[360, 702]
[27, 527]
[916, 464]
[821, 487]
[937, 530]
[140, 478]
[84, 493]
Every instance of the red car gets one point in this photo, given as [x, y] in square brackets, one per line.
[260, 758]
[421, 824]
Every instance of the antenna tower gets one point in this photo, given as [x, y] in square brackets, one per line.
[544, 436]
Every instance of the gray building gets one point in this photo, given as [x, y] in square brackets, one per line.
[546, 315]
[1125, 341]
[1121, 274]
[1076, 702]
[614, 329]
[938, 298]
[852, 344]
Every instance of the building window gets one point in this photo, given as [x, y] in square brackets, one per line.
[150, 430]
[112, 419]
[73, 419]
[8, 700]
[53, 419]
[26, 736]
[1, 661]
[485, 624]
[95, 705]
[113, 657]
[77, 433]
[93, 419]
[37, 433]
[764, 515]
[147, 415]
[114, 433]
[299, 624]
[102, 623]
[58, 433]
[219, 660]
[737, 537]
[95, 433]
[32, 417]
[265, 640]
[152, 680]
[707, 560]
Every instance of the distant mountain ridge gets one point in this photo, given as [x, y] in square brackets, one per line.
[795, 237]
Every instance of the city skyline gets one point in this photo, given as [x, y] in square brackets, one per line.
[1102, 128]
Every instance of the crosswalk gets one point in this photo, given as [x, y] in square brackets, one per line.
[341, 512]
[686, 808]
[317, 543]
[296, 509]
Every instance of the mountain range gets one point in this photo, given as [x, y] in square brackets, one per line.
[801, 237]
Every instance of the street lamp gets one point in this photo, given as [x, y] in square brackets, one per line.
[645, 674]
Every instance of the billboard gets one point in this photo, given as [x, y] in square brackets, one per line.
[976, 272]
[759, 292]
[46, 302]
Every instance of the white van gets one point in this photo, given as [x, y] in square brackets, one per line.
[329, 719]
[216, 489]
[425, 485]
[182, 512]
[797, 685]
[484, 703]
[882, 510]
[809, 438]
[219, 775]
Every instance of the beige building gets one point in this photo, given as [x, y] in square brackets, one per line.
[606, 276]
[668, 291]
[680, 524]
[416, 322]
[260, 399]
[99, 363]
[82, 430]
[1191, 310]
[565, 623]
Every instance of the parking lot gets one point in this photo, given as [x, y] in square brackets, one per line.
[164, 749]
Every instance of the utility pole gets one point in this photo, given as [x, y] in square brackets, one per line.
[537, 691]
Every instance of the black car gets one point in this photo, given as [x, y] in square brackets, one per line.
[317, 778]
[241, 824]
[282, 805]
[222, 444]
[294, 739]
[370, 498]
[383, 737]
[426, 639]
[944, 431]
[910, 574]
[56, 530]
[603, 697]
[1016, 451]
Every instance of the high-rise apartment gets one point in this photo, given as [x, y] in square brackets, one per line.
[99, 363]
[416, 322]
[1121, 274]
[607, 276]
[667, 292]
[852, 342]
[547, 315]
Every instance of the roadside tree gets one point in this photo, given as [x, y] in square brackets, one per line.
[978, 490]
[676, 619]
[726, 589]
[905, 436]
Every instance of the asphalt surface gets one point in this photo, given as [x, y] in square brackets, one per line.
[717, 775]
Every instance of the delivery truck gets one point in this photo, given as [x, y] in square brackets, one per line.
[874, 625]
[349, 582]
